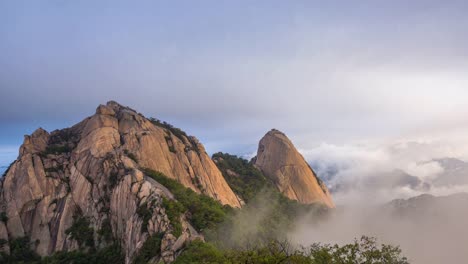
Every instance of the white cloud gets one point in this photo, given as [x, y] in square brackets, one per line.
[382, 172]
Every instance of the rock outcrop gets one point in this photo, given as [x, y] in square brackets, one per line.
[279, 160]
[95, 170]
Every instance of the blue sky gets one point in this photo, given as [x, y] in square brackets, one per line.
[228, 71]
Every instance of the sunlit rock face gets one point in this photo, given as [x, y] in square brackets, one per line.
[95, 168]
[278, 159]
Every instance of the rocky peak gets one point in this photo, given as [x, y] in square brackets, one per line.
[279, 160]
[36, 142]
[97, 167]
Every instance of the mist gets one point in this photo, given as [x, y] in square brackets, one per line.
[376, 173]
[427, 229]
[409, 193]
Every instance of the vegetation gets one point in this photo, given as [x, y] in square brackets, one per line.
[200, 252]
[365, 251]
[254, 234]
[20, 252]
[81, 231]
[203, 212]
[174, 210]
[243, 178]
[110, 254]
[4, 217]
[169, 142]
[131, 155]
[113, 179]
[267, 217]
[56, 149]
[145, 214]
[179, 133]
[151, 248]
[105, 233]
[57, 168]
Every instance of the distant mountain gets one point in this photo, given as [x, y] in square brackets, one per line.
[425, 205]
[387, 180]
[432, 229]
[455, 172]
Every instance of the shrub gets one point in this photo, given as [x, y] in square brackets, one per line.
[20, 252]
[110, 254]
[174, 130]
[365, 251]
[179, 133]
[4, 217]
[57, 168]
[113, 180]
[131, 155]
[106, 230]
[204, 211]
[145, 214]
[247, 182]
[174, 210]
[151, 248]
[200, 252]
[57, 149]
[81, 230]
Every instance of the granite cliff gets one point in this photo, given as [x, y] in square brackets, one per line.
[93, 172]
[279, 160]
[120, 179]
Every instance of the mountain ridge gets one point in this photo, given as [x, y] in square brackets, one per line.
[116, 176]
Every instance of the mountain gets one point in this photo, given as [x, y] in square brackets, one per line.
[279, 160]
[387, 180]
[449, 207]
[455, 172]
[120, 187]
[100, 181]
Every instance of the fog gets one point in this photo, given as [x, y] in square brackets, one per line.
[378, 173]
[427, 229]
[366, 178]
[411, 194]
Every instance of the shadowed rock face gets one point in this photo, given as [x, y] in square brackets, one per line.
[94, 167]
[278, 159]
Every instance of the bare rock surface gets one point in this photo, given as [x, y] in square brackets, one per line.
[278, 159]
[94, 169]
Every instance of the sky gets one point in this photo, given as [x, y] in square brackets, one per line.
[348, 74]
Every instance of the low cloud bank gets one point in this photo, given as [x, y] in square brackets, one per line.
[379, 173]
[429, 230]
[382, 191]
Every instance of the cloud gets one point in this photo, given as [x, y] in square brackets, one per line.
[428, 230]
[333, 72]
[386, 171]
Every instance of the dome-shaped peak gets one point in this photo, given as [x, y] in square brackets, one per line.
[279, 160]
[275, 131]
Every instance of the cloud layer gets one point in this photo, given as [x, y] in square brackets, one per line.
[331, 72]
[380, 173]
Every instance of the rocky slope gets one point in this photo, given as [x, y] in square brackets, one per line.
[278, 159]
[93, 170]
